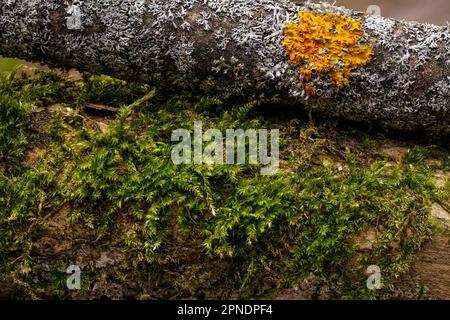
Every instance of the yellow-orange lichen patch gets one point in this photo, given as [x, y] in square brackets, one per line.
[326, 44]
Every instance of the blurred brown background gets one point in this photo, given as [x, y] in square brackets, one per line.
[432, 11]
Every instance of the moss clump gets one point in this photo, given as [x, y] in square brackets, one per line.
[110, 183]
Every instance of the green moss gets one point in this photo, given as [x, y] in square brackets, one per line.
[109, 91]
[300, 222]
[8, 64]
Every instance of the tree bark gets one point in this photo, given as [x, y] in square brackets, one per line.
[234, 47]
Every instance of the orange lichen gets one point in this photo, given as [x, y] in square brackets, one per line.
[326, 44]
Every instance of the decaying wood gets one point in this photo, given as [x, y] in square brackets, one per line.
[233, 47]
[101, 108]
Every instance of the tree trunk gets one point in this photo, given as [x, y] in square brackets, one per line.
[235, 47]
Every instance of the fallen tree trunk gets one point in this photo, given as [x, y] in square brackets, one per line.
[236, 47]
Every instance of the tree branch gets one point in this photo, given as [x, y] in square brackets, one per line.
[235, 48]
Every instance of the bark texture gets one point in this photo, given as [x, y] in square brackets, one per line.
[235, 47]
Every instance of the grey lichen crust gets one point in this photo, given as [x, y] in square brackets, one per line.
[233, 47]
